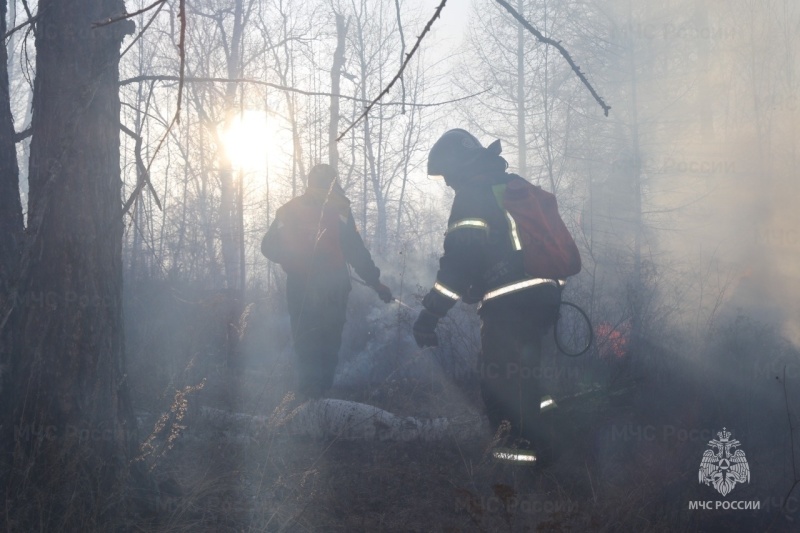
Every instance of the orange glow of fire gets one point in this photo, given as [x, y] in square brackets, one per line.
[612, 342]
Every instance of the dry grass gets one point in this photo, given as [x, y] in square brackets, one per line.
[299, 485]
[212, 481]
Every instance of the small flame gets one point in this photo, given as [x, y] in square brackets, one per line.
[612, 341]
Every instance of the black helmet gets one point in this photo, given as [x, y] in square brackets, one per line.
[453, 153]
[320, 176]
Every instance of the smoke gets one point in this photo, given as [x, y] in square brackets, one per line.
[717, 148]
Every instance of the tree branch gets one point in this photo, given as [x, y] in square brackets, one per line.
[557, 45]
[143, 175]
[399, 72]
[182, 54]
[108, 21]
[22, 135]
[144, 29]
[28, 12]
[18, 27]
[176, 118]
[191, 79]
[402, 49]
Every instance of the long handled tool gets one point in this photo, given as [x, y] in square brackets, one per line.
[398, 300]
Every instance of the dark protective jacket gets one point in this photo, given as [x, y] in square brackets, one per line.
[314, 237]
[483, 260]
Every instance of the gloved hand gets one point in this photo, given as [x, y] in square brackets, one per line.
[384, 292]
[425, 329]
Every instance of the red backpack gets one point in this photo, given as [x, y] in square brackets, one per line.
[548, 249]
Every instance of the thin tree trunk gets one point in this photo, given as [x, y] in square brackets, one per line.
[11, 223]
[336, 76]
[638, 288]
[407, 137]
[227, 208]
[178, 253]
[297, 151]
[205, 203]
[521, 137]
[12, 40]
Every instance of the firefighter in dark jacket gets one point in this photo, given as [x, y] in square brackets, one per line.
[314, 238]
[482, 262]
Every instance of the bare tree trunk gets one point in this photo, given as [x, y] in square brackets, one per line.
[521, 140]
[636, 295]
[407, 144]
[229, 215]
[380, 203]
[298, 167]
[12, 40]
[11, 224]
[336, 76]
[371, 177]
[204, 200]
[178, 261]
[227, 208]
[410, 141]
[74, 431]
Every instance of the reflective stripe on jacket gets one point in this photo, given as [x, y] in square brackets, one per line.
[482, 254]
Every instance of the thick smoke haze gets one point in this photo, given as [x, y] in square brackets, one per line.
[683, 202]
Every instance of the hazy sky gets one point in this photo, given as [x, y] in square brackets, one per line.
[450, 27]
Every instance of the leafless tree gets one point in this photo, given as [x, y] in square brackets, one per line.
[67, 365]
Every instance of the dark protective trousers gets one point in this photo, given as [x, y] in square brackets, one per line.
[509, 370]
[317, 313]
[510, 362]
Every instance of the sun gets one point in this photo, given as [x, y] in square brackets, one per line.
[247, 138]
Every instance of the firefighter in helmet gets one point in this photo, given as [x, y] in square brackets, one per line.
[483, 262]
[314, 238]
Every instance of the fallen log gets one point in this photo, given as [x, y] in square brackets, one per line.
[342, 419]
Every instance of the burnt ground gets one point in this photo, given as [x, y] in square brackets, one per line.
[630, 452]
[608, 478]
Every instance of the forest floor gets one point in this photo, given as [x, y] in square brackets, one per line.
[607, 478]
[625, 464]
